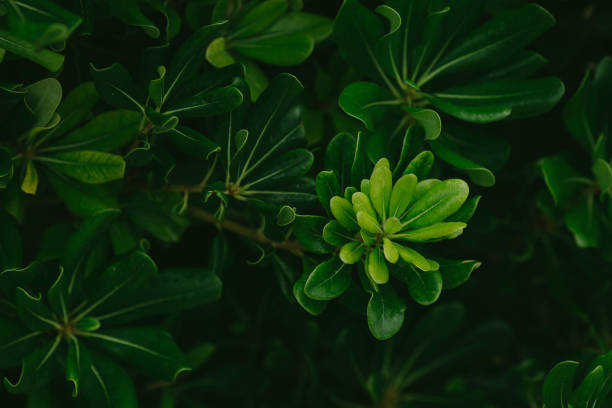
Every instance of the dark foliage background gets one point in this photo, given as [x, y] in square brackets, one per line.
[268, 352]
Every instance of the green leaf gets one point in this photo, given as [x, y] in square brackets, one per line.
[328, 280]
[603, 175]
[157, 88]
[90, 231]
[218, 55]
[475, 114]
[368, 223]
[308, 230]
[88, 166]
[492, 43]
[335, 234]
[129, 12]
[117, 282]
[361, 202]
[367, 102]
[438, 203]
[314, 307]
[562, 179]
[16, 342]
[557, 388]
[327, 186]
[207, 103]
[385, 313]
[47, 59]
[82, 199]
[105, 384]
[401, 195]
[433, 232]
[376, 267]
[107, 131]
[456, 273]
[583, 220]
[150, 350]
[428, 119]
[339, 157]
[421, 165]
[189, 57]
[588, 392]
[168, 292]
[523, 98]
[38, 368]
[287, 166]
[578, 114]
[285, 216]
[477, 172]
[33, 312]
[116, 87]
[192, 142]
[381, 185]
[255, 77]
[424, 287]
[42, 99]
[259, 17]
[343, 211]
[286, 50]
[74, 364]
[297, 22]
[356, 31]
[76, 107]
[412, 257]
[467, 210]
[29, 185]
[351, 252]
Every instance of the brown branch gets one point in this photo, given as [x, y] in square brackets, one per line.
[292, 246]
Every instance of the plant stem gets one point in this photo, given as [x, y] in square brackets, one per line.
[292, 246]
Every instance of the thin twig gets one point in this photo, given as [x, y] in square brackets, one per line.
[291, 245]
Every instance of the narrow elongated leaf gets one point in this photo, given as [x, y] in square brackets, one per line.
[168, 292]
[401, 195]
[104, 384]
[432, 232]
[117, 88]
[82, 199]
[498, 38]
[16, 341]
[286, 50]
[439, 202]
[33, 311]
[107, 131]
[259, 17]
[88, 166]
[583, 220]
[150, 350]
[37, 369]
[478, 173]
[48, 59]
[356, 31]
[524, 98]
[207, 103]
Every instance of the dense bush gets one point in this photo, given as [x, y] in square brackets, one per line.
[289, 203]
